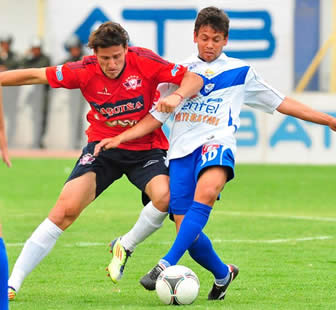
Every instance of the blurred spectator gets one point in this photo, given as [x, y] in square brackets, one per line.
[74, 48]
[77, 105]
[8, 59]
[35, 58]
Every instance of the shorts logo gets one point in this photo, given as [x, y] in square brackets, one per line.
[59, 73]
[209, 147]
[150, 162]
[132, 82]
[87, 159]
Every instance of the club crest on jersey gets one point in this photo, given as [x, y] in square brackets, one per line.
[87, 159]
[132, 82]
[209, 87]
[209, 147]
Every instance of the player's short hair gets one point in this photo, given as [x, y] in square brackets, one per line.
[108, 34]
[213, 17]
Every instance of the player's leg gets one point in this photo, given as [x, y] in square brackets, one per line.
[152, 215]
[154, 181]
[75, 196]
[182, 187]
[208, 172]
[212, 177]
[79, 190]
[208, 187]
[3, 274]
[211, 181]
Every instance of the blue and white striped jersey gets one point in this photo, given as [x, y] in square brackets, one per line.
[212, 117]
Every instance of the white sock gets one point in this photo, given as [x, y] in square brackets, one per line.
[149, 221]
[35, 249]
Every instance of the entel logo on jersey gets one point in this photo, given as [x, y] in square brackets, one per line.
[132, 82]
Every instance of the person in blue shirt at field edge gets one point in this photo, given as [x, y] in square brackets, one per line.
[3, 254]
[202, 142]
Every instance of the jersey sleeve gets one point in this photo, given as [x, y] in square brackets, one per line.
[63, 76]
[173, 73]
[154, 66]
[260, 95]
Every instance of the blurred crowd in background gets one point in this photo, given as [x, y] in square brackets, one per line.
[37, 96]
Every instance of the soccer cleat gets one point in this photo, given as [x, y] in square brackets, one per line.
[118, 262]
[11, 293]
[148, 281]
[219, 291]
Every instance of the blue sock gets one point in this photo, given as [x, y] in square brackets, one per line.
[192, 224]
[3, 276]
[203, 253]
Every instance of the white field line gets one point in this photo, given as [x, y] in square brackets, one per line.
[294, 217]
[95, 244]
[290, 217]
[276, 240]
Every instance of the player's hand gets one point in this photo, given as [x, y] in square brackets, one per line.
[332, 124]
[169, 103]
[5, 158]
[105, 144]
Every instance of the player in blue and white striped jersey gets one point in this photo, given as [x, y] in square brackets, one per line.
[203, 144]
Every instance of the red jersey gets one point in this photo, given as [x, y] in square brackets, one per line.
[117, 104]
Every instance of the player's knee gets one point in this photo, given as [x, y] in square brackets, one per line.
[64, 213]
[207, 195]
[161, 200]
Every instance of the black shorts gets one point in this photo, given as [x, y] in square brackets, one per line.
[139, 166]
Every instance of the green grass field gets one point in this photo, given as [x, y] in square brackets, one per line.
[277, 223]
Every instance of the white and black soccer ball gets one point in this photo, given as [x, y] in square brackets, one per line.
[177, 285]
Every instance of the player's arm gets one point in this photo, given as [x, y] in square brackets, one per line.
[3, 140]
[23, 77]
[191, 84]
[289, 106]
[144, 127]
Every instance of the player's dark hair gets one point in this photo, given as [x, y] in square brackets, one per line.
[213, 17]
[108, 34]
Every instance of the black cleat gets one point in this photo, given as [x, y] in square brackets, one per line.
[148, 281]
[218, 292]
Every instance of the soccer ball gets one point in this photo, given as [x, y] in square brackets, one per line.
[177, 285]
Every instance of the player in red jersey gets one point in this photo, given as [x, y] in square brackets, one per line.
[119, 83]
